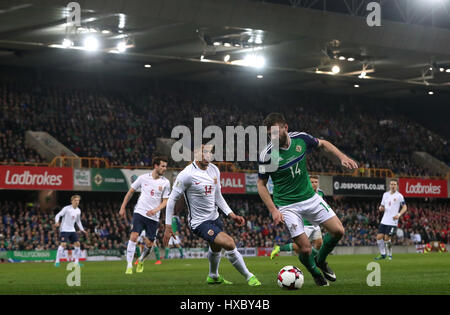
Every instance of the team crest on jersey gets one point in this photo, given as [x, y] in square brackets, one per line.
[293, 226]
[210, 232]
[298, 148]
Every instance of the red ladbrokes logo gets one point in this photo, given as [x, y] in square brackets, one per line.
[22, 177]
[423, 187]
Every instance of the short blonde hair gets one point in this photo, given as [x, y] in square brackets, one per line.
[75, 196]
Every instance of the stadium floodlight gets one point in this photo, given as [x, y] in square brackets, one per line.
[258, 40]
[121, 20]
[91, 43]
[260, 76]
[216, 43]
[106, 32]
[441, 69]
[356, 86]
[342, 58]
[336, 69]
[66, 43]
[448, 70]
[363, 74]
[254, 61]
[351, 59]
[430, 93]
[226, 58]
[122, 46]
[147, 66]
[227, 44]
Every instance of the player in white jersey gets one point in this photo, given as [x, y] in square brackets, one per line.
[70, 214]
[155, 190]
[199, 182]
[391, 203]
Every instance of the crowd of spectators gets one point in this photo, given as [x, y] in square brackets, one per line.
[24, 226]
[123, 127]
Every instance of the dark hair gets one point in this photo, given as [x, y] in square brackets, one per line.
[393, 180]
[157, 160]
[314, 176]
[274, 119]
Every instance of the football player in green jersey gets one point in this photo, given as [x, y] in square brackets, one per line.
[312, 232]
[293, 195]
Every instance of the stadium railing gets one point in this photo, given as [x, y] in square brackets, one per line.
[95, 162]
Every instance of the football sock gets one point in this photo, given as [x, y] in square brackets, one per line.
[181, 251]
[237, 261]
[286, 248]
[329, 242]
[59, 253]
[76, 254]
[308, 261]
[130, 252]
[145, 253]
[389, 248]
[156, 249]
[381, 246]
[214, 261]
[166, 255]
[138, 251]
[314, 252]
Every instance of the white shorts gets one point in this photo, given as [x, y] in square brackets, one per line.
[313, 232]
[174, 240]
[315, 210]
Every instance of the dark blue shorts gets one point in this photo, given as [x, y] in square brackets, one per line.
[208, 230]
[68, 237]
[387, 229]
[141, 223]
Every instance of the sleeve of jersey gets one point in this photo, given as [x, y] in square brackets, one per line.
[136, 184]
[60, 214]
[311, 142]
[264, 159]
[80, 226]
[402, 201]
[166, 192]
[382, 201]
[182, 183]
[220, 201]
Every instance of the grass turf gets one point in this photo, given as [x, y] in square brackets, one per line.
[405, 274]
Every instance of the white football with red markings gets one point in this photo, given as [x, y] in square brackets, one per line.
[290, 278]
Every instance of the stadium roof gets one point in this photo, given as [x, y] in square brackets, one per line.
[300, 45]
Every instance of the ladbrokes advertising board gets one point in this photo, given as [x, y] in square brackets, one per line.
[36, 178]
[412, 187]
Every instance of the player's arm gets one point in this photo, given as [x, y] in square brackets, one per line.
[345, 160]
[381, 207]
[404, 208]
[264, 193]
[127, 198]
[223, 205]
[80, 226]
[59, 215]
[161, 206]
[182, 182]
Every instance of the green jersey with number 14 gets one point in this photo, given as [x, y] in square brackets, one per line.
[291, 180]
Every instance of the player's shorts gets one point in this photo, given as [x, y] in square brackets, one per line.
[208, 230]
[314, 209]
[174, 240]
[313, 232]
[387, 229]
[141, 223]
[68, 237]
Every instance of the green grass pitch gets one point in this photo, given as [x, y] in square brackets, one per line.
[405, 274]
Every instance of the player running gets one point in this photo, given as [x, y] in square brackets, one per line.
[390, 204]
[175, 238]
[294, 197]
[155, 190]
[70, 214]
[199, 182]
[313, 233]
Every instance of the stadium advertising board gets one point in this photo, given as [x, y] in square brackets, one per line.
[82, 179]
[108, 180]
[36, 178]
[31, 255]
[358, 186]
[233, 183]
[432, 188]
